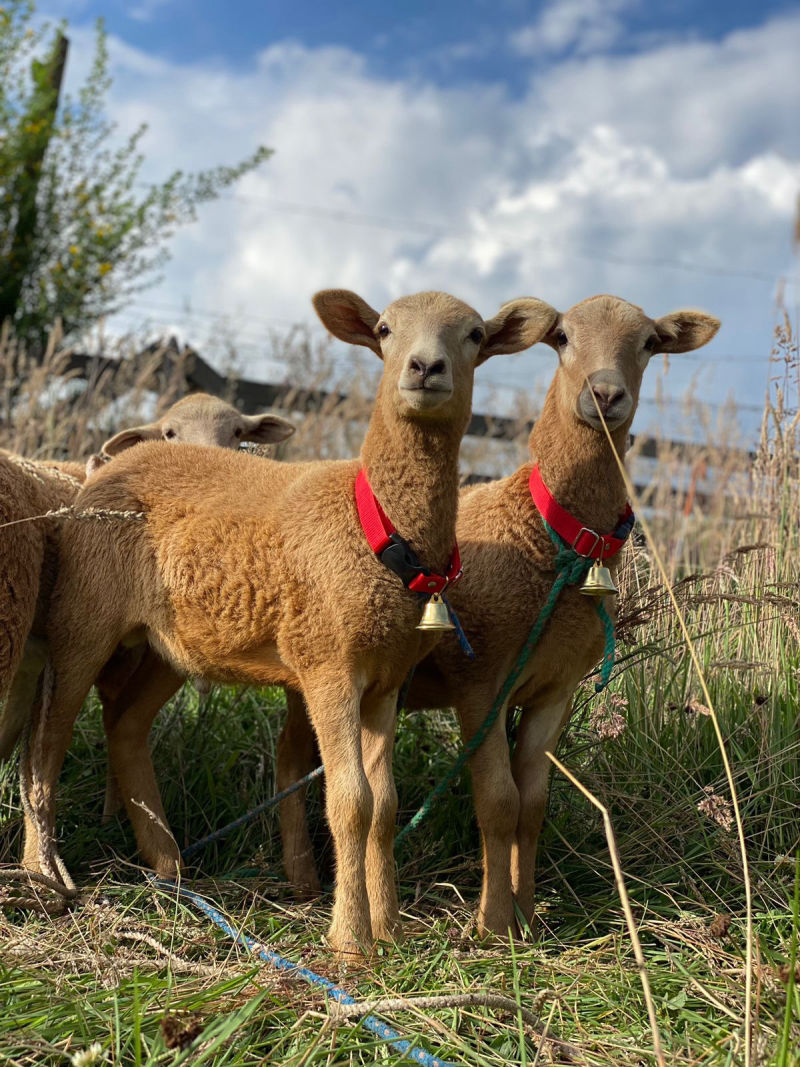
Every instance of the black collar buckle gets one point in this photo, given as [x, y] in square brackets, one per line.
[401, 558]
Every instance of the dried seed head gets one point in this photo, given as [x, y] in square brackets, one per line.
[717, 808]
[607, 723]
[106, 514]
[37, 468]
[68, 511]
[179, 1032]
[719, 926]
[694, 707]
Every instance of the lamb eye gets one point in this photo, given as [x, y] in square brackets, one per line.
[476, 336]
[237, 432]
[169, 434]
[383, 330]
[561, 338]
[650, 344]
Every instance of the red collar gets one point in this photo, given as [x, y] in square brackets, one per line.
[393, 550]
[584, 541]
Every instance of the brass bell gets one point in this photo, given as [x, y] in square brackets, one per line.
[435, 616]
[598, 581]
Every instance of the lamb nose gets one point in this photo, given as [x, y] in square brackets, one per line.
[425, 370]
[607, 396]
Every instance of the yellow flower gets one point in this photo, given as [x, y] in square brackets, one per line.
[104, 268]
[73, 249]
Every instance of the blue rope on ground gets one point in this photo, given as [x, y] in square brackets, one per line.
[371, 1022]
[223, 831]
[571, 568]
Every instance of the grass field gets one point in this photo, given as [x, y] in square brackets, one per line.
[129, 976]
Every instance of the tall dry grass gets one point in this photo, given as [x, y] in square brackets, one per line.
[48, 412]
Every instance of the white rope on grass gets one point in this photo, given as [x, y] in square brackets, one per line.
[449, 1000]
[20, 874]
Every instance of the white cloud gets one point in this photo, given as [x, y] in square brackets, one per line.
[584, 25]
[698, 103]
[145, 10]
[603, 175]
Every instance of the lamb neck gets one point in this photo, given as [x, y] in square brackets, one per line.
[412, 467]
[578, 466]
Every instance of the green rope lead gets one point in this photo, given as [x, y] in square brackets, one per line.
[608, 651]
[570, 569]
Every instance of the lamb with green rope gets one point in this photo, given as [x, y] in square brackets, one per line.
[519, 573]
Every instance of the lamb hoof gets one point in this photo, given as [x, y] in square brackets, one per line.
[169, 868]
[305, 882]
[303, 893]
[347, 947]
[496, 927]
[391, 934]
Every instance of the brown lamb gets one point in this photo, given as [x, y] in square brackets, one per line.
[603, 345]
[29, 551]
[249, 571]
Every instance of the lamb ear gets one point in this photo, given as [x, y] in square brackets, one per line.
[683, 331]
[151, 431]
[516, 326]
[266, 429]
[348, 317]
[96, 462]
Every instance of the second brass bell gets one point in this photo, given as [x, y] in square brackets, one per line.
[598, 581]
[435, 616]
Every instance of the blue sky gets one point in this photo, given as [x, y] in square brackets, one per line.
[554, 149]
[396, 37]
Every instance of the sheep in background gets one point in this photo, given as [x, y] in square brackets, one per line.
[29, 550]
[202, 419]
[250, 571]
